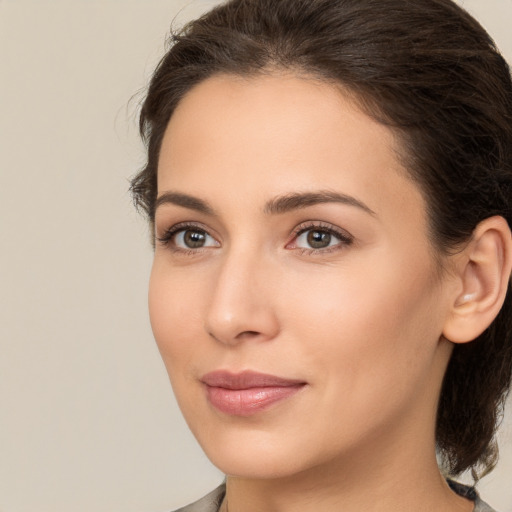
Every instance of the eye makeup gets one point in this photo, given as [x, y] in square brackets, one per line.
[309, 238]
[319, 234]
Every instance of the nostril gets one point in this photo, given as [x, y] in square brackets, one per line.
[213, 336]
[248, 334]
[239, 337]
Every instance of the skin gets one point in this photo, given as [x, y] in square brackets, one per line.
[360, 321]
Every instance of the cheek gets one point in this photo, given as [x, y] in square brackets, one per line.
[174, 310]
[369, 318]
[369, 342]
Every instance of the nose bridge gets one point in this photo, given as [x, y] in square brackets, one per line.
[240, 304]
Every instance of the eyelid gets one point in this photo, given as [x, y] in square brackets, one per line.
[167, 237]
[344, 237]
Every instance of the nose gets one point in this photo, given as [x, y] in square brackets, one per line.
[241, 306]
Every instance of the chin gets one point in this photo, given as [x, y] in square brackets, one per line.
[252, 466]
[258, 454]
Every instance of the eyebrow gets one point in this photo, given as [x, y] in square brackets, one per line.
[299, 200]
[276, 206]
[186, 201]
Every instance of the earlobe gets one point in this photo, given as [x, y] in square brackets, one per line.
[483, 271]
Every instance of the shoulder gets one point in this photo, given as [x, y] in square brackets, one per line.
[481, 506]
[209, 503]
[472, 494]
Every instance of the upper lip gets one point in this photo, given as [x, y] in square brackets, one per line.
[246, 380]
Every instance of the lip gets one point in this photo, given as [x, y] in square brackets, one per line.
[248, 392]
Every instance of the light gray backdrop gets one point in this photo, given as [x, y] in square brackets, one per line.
[87, 419]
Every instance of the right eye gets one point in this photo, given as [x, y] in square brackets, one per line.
[193, 239]
[188, 238]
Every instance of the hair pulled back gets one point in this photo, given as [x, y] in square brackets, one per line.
[431, 73]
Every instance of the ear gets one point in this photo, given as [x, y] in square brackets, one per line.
[483, 273]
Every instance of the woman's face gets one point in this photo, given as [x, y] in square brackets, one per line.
[294, 295]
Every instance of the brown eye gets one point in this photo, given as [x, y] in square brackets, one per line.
[317, 239]
[194, 239]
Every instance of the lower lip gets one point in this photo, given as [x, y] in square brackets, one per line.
[246, 402]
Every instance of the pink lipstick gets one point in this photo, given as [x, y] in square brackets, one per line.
[246, 393]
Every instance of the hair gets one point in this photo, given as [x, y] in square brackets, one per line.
[430, 72]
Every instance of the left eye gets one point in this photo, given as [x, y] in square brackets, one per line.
[316, 239]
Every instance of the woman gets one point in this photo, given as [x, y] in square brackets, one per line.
[330, 187]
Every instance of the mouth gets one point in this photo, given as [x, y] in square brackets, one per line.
[248, 392]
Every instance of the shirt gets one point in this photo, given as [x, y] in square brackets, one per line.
[212, 501]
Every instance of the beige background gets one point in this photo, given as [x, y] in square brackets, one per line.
[87, 418]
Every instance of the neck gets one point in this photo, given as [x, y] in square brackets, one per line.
[398, 475]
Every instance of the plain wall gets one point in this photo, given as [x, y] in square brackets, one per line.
[87, 417]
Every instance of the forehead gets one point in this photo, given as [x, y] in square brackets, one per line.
[275, 134]
[268, 111]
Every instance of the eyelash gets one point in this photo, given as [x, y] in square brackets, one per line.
[345, 239]
[167, 238]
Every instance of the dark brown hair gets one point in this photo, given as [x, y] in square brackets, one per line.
[432, 74]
